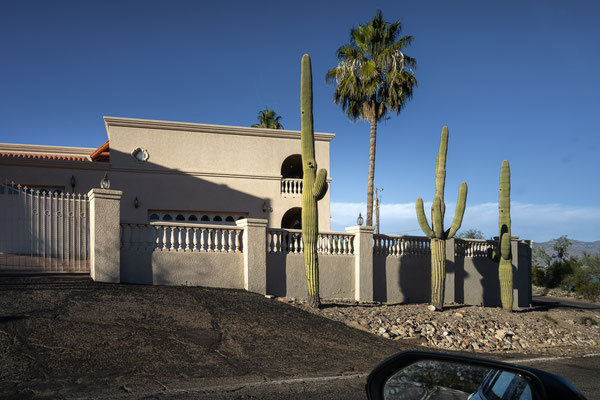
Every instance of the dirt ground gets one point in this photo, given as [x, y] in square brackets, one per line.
[67, 336]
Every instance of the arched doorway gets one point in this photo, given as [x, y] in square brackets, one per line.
[291, 167]
[292, 219]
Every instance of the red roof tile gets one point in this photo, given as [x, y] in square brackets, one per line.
[44, 156]
[102, 153]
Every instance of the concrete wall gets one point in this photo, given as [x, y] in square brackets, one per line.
[190, 168]
[405, 279]
[286, 276]
[216, 168]
[355, 265]
[223, 270]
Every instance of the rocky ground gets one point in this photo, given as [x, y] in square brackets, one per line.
[535, 330]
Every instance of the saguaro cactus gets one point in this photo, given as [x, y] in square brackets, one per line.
[313, 183]
[436, 232]
[505, 271]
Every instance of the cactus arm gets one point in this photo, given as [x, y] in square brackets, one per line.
[423, 219]
[505, 246]
[460, 211]
[440, 169]
[492, 255]
[437, 218]
[320, 185]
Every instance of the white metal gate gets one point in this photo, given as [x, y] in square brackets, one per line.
[43, 231]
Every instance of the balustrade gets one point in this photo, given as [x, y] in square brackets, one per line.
[290, 241]
[400, 245]
[473, 247]
[292, 187]
[181, 237]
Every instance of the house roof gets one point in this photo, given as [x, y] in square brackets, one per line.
[39, 152]
[44, 156]
[211, 129]
[102, 153]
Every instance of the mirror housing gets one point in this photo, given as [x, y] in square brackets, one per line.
[542, 385]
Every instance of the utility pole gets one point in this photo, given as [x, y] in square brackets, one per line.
[377, 209]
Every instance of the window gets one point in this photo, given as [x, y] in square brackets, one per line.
[217, 218]
[205, 218]
[229, 219]
[179, 218]
[154, 217]
[167, 217]
[193, 218]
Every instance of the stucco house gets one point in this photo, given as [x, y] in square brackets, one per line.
[176, 171]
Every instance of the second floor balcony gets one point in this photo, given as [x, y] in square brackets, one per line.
[291, 187]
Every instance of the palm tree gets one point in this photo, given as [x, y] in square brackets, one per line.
[268, 119]
[373, 77]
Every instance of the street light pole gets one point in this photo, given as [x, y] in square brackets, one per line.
[377, 209]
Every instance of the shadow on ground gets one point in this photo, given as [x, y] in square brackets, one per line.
[68, 336]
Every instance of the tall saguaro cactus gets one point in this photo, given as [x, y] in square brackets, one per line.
[314, 185]
[436, 232]
[504, 258]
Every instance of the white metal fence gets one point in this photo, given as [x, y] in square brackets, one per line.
[43, 231]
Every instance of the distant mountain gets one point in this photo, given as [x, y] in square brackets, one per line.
[577, 247]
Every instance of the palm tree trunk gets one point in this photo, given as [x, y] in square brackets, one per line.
[371, 170]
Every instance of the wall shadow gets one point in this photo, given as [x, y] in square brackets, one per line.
[276, 274]
[159, 188]
[458, 267]
[414, 278]
[489, 283]
[379, 278]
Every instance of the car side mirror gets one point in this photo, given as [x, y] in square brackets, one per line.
[424, 375]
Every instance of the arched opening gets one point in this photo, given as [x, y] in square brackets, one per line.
[205, 218]
[193, 218]
[229, 219]
[292, 219]
[180, 218]
[291, 168]
[167, 217]
[154, 217]
[218, 219]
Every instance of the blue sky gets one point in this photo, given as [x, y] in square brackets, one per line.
[513, 80]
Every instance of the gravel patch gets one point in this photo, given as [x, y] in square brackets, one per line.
[535, 330]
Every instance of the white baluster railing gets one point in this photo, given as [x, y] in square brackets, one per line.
[181, 237]
[400, 245]
[473, 247]
[291, 187]
[328, 243]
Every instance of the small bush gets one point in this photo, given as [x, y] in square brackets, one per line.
[538, 276]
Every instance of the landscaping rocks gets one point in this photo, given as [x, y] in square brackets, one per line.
[472, 328]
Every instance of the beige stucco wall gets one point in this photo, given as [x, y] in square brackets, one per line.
[53, 173]
[215, 168]
[286, 276]
[191, 167]
[402, 279]
[222, 270]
